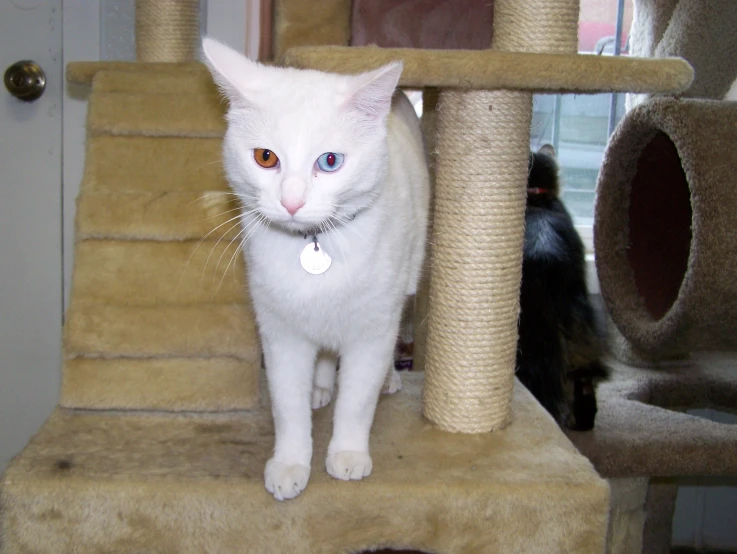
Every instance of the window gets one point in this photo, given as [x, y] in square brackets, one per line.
[578, 126]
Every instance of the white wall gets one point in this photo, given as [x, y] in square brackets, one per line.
[30, 225]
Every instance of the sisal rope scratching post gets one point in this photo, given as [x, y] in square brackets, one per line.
[483, 148]
[167, 30]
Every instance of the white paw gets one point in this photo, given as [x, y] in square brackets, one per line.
[349, 465]
[285, 481]
[321, 397]
[393, 382]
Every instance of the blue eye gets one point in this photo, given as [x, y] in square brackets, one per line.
[330, 161]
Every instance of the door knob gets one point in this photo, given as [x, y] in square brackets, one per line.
[25, 80]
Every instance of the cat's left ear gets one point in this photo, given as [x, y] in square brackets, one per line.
[371, 93]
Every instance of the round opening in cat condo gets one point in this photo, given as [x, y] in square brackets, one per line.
[664, 229]
[643, 232]
[659, 220]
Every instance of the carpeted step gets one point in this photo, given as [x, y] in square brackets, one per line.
[149, 164]
[162, 216]
[160, 357]
[112, 483]
[209, 330]
[643, 430]
[150, 273]
[170, 188]
[168, 384]
[192, 81]
[152, 105]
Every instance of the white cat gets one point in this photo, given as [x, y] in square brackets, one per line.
[324, 164]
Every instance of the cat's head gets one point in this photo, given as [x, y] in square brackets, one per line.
[542, 180]
[303, 148]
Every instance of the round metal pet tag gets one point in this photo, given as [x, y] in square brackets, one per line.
[314, 259]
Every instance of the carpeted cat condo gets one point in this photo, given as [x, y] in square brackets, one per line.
[163, 434]
[666, 247]
[665, 235]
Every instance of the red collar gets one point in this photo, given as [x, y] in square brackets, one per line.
[537, 190]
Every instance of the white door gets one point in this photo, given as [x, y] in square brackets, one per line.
[30, 225]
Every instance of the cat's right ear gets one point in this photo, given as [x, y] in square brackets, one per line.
[371, 92]
[234, 74]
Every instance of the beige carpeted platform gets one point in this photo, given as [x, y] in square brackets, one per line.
[163, 435]
[644, 440]
[106, 482]
[643, 430]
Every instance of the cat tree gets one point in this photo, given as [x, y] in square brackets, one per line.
[666, 249]
[181, 468]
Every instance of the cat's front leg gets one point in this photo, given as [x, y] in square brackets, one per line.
[290, 363]
[363, 371]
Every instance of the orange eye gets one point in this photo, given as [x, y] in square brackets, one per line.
[265, 158]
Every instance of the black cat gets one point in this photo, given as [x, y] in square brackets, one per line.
[558, 354]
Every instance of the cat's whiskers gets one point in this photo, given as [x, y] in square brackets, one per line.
[210, 193]
[217, 215]
[239, 216]
[250, 225]
[222, 277]
[265, 222]
[241, 197]
[258, 222]
[194, 250]
[219, 160]
[212, 250]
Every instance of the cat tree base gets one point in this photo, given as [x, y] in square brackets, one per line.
[105, 482]
[644, 440]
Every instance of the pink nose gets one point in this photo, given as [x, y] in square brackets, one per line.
[292, 205]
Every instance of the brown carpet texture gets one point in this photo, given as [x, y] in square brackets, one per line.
[664, 231]
[700, 32]
[642, 429]
[167, 451]
[644, 435]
